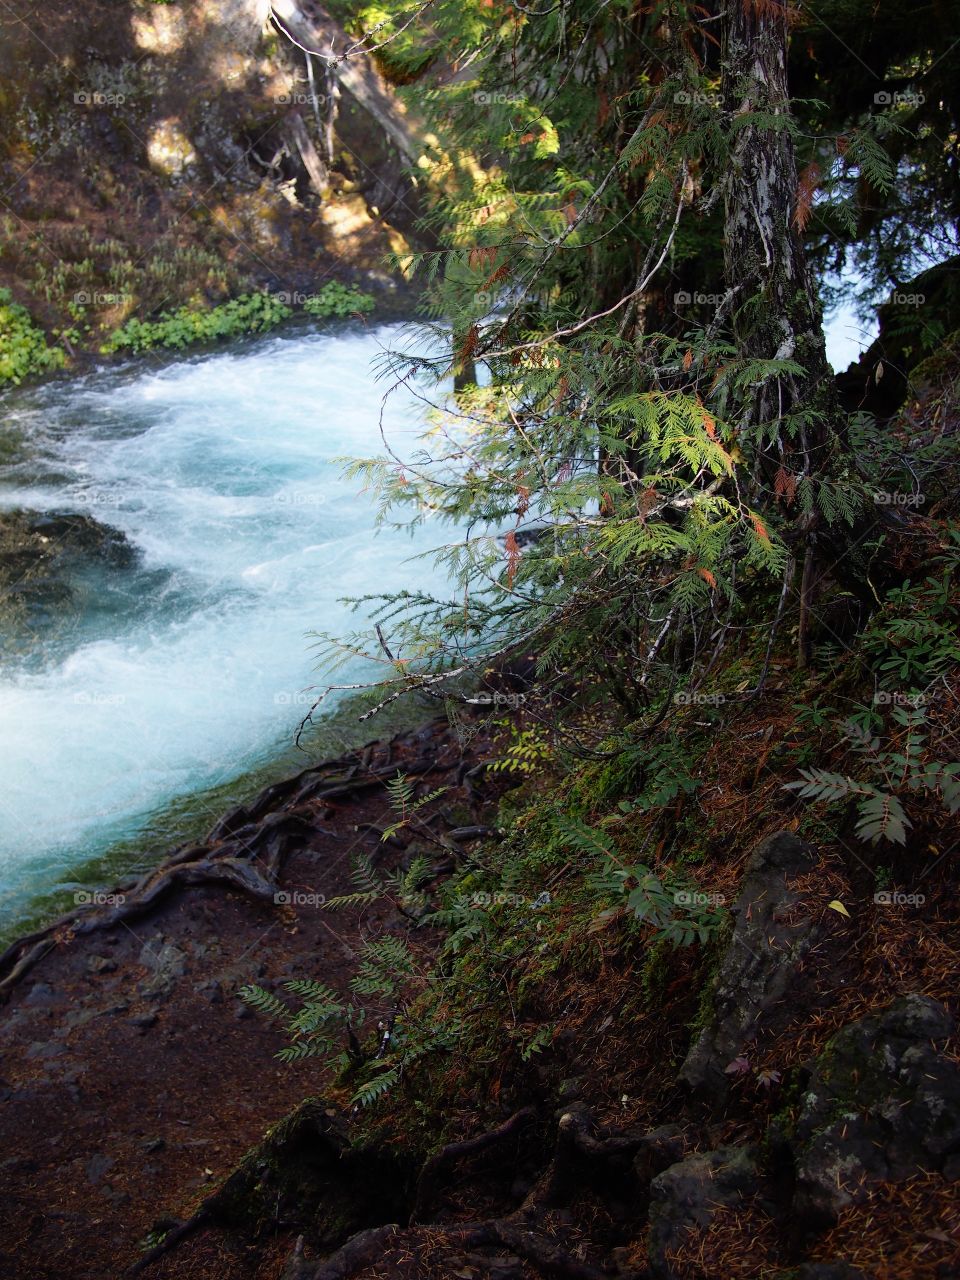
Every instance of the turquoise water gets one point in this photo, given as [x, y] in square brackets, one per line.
[189, 665]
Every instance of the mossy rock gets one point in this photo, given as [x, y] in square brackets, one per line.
[308, 1174]
[882, 1105]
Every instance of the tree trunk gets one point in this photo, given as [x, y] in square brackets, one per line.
[776, 314]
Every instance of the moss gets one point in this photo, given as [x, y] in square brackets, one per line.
[305, 1171]
[713, 959]
[656, 971]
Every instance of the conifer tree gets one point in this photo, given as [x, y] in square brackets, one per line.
[647, 462]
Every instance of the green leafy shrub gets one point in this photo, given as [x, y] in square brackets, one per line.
[334, 1028]
[914, 639]
[679, 915]
[250, 313]
[338, 300]
[893, 772]
[23, 346]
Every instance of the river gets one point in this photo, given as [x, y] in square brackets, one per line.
[183, 662]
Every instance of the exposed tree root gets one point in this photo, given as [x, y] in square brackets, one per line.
[176, 1235]
[577, 1140]
[368, 1247]
[519, 1232]
[456, 1151]
[244, 851]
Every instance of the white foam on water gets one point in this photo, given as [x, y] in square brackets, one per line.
[222, 471]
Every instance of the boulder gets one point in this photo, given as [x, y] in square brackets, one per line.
[685, 1197]
[769, 941]
[883, 1104]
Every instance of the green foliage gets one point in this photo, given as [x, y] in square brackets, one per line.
[915, 639]
[526, 752]
[617, 497]
[401, 792]
[339, 300]
[667, 771]
[250, 313]
[404, 888]
[895, 770]
[674, 911]
[329, 1026]
[23, 346]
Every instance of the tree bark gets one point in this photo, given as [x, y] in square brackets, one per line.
[789, 416]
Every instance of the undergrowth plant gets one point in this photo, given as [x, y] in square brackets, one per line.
[340, 300]
[890, 772]
[24, 350]
[370, 1038]
[248, 313]
[675, 911]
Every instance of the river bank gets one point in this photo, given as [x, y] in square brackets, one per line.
[330, 736]
[133, 1077]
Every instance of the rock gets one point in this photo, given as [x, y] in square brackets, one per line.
[41, 993]
[570, 1089]
[101, 964]
[149, 1145]
[660, 1149]
[97, 1167]
[41, 557]
[883, 1104]
[143, 1020]
[166, 962]
[767, 945]
[46, 1049]
[685, 1197]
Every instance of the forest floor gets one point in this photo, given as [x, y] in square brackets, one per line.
[133, 1079]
